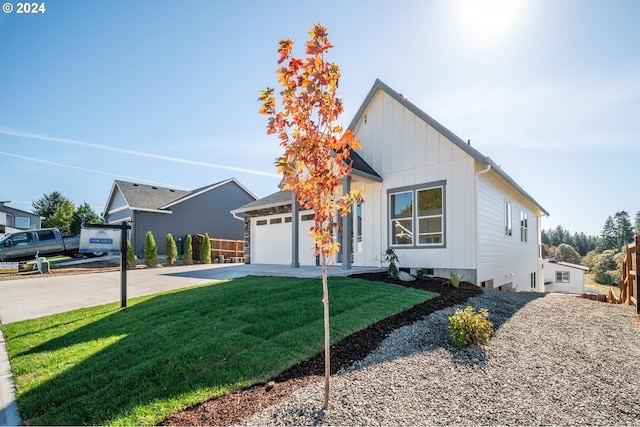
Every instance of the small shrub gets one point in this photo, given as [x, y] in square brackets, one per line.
[466, 327]
[172, 250]
[205, 250]
[392, 259]
[131, 256]
[150, 250]
[188, 250]
[420, 273]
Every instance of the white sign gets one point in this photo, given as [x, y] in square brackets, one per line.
[100, 240]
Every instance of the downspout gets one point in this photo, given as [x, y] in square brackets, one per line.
[347, 229]
[475, 200]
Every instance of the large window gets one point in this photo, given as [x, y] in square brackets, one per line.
[423, 226]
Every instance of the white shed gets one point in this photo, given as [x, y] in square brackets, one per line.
[563, 276]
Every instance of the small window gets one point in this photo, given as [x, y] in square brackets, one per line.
[524, 227]
[287, 219]
[508, 227]
[487, 284]
[307, 217]
[562, 277]
[275, 221]
[261, 222]
[22, 222]
[534, 283]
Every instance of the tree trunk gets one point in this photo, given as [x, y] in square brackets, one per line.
[327, 333]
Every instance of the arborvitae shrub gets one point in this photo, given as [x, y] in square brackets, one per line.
[205, 250]
[172, 250]
[131, 256]
[150, 250]
[188, 251]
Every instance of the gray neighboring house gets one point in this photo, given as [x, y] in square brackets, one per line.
[12, 219]
[164, 210]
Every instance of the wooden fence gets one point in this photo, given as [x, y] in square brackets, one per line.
[629, 283]
[222, 250]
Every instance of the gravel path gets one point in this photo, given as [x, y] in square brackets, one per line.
[554, 360]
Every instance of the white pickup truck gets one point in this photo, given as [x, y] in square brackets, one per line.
[24, 245]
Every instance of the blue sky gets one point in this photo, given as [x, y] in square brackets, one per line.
[165, 92]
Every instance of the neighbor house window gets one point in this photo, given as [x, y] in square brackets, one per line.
[562, 277]
[22, 222]
[524, 227]
[508, 227]
[422, 226]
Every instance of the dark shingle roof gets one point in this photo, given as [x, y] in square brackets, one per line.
[279, 198]
[143, 196]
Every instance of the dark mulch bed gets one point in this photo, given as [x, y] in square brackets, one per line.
[235, 407]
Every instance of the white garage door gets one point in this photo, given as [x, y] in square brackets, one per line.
[271, 240]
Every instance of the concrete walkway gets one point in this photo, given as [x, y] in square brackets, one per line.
[23, 299]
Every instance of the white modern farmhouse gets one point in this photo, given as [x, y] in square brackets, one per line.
[436, 201]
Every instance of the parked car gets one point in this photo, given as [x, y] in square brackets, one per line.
[24, 245]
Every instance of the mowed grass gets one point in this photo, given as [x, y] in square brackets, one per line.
[135, 366]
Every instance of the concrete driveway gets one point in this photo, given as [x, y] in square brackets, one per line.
[44, 295]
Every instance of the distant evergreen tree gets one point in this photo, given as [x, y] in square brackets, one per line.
[48, 204]
[637, 223]
[90, 217]
[150, 250]
[607, 237]
[172, 250]
[623, 229]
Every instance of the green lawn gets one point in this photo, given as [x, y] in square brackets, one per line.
[134, 366]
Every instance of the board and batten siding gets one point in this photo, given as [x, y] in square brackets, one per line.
[407, 152]
[502, 258]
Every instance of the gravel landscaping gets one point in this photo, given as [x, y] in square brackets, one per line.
[554, 360]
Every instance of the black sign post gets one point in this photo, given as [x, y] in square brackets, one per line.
[123, 255]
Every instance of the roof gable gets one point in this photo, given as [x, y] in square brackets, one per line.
[205, 189]
[484, 161]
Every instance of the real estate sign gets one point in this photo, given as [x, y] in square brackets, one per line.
[100, 240]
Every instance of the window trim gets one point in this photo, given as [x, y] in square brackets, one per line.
[415, 241]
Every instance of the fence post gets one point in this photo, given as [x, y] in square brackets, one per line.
[635, 262]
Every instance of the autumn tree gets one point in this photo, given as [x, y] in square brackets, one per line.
[316, 148]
